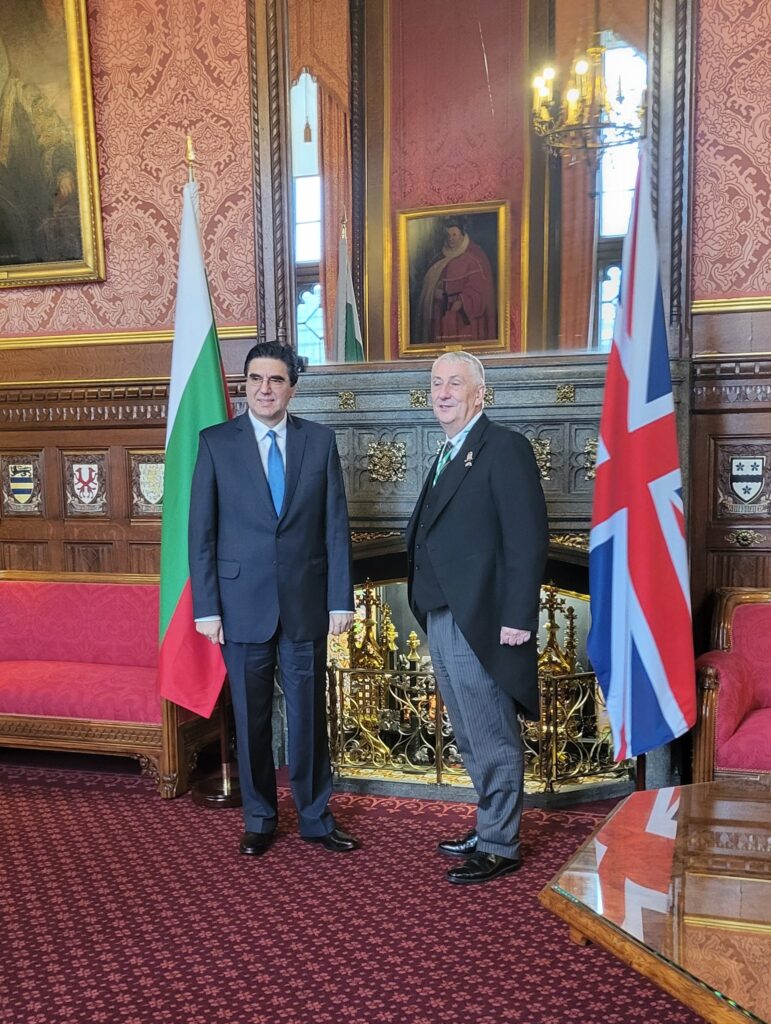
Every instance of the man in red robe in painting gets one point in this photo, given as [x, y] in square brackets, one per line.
[457, 299]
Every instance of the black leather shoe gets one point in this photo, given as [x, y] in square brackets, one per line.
[459, 847]
[483, 867]
[336, 841]
[254, 843]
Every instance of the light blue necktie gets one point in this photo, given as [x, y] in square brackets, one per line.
[275, 472]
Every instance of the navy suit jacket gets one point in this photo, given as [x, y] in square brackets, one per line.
[487, 537]
[253, 567]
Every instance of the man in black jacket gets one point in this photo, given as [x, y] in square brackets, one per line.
[477, 544]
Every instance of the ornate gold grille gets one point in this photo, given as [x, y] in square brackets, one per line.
[385, 712]
[387, 718]
[572, 739]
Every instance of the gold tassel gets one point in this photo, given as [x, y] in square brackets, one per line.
[307, 134]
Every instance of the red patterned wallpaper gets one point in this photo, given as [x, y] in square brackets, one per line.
[458, 125]
[732, 160]
[160, 68]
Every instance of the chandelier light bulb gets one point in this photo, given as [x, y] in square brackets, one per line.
[582, 66]
[548, 74]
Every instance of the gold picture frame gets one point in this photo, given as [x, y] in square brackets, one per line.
[50, 213]
[451, 300]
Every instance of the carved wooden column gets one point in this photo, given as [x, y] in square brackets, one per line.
[269, 100]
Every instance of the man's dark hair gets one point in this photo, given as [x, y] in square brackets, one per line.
[456, 222]
[276, 350]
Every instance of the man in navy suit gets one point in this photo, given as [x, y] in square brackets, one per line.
[477, 545]
[270, 567]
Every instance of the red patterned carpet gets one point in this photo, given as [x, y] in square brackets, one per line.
[119, 908]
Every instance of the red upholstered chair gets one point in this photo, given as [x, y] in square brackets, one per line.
[733, 732]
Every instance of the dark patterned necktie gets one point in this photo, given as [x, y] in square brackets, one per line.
[444, 458]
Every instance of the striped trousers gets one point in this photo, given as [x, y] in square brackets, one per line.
[487, 732]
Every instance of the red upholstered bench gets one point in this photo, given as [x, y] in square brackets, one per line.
[78, 671]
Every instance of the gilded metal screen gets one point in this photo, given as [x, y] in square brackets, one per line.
[387, 719]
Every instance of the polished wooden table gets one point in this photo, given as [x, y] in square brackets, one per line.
[677, 884]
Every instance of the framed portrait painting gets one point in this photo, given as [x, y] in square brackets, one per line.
[50, 216]
[453, 278]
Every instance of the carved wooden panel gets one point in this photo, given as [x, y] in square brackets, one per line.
[92, 500]
[738, 569]
[27, 555]
[730, 512]
[82, 556]
[144, 558]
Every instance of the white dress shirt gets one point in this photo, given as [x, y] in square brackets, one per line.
[459, 439]
[263, 441]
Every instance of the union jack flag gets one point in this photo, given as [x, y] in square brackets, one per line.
[640, 642]
[634, 852]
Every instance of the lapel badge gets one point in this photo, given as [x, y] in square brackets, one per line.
[469, 460]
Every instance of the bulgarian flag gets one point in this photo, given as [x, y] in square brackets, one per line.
[191, 669]
[349, 348]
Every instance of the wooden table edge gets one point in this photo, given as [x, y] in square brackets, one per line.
[589, 927]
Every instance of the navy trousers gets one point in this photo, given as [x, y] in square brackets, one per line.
[251, 670]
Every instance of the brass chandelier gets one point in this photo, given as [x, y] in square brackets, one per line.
[580, 115]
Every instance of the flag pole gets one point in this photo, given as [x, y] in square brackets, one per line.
[639, 778]
[190, 157]
[221, 790]
[349, 347]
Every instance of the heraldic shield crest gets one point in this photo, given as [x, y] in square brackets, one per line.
[21, 480]
[747, 476]
[151, 482]
[85, 481]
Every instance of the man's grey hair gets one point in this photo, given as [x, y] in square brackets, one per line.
[477, 369]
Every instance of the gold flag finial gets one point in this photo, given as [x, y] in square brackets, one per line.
[344, 225]
[190, 158]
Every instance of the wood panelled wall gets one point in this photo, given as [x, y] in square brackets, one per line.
[387, 437]
[54, 424]
[730, 236]
[730, 420]
[103, 404]
[111, 429]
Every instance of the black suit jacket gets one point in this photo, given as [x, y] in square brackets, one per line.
[253, 567]
[487, 537]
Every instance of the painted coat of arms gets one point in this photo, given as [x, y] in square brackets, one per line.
[21, 483]
[151, 482]
[146, 472]
[747, 476]
[85, 484]
[85, 481]
[741, 482]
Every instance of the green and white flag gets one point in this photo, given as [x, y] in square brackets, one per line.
[191, 670]
[349, 348]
